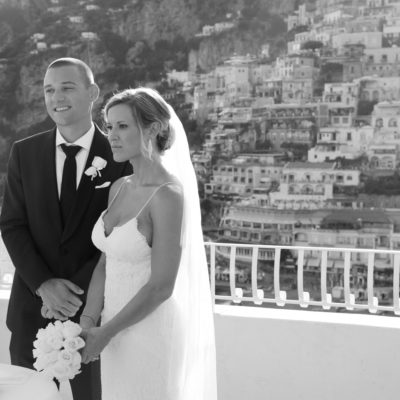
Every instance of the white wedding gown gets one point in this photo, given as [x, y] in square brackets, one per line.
[138, 363]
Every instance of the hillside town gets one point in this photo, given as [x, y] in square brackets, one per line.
[304, 149]
[297, 144]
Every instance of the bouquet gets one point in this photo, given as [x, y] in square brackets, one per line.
[56, 350]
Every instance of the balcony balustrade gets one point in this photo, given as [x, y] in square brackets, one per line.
[321, 298]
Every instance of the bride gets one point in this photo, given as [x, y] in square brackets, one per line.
[150, 286]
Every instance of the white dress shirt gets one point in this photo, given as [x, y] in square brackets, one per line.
[85, 141]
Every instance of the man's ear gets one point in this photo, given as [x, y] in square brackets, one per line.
[94, 92]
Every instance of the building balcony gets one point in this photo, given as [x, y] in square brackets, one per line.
[279, 338]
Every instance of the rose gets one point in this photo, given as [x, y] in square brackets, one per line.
[98, 164]
[61, 371]
[70, 329]
[41, 334]
[56, 341]
[74, 343]
[76, 361]
[44, 360]
[42, 345]
[65, 356]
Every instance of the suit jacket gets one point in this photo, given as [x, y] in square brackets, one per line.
[30, 222]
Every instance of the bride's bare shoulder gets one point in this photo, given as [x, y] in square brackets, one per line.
[169, 196]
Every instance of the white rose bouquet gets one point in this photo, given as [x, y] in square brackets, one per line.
[56, 350]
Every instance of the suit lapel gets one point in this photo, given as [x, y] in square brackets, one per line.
[86, 186]
[49, 178]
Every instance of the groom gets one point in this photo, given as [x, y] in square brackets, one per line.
[49, 209]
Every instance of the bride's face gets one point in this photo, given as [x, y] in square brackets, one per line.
[123, 133]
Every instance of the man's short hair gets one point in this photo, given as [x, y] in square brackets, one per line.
[84, 69]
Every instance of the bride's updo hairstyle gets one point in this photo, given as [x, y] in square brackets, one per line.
[147, 106]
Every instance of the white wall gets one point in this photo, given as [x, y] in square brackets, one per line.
[281, 354]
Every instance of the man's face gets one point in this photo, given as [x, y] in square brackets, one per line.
[68, 96]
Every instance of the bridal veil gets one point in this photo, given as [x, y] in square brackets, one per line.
[196, 352]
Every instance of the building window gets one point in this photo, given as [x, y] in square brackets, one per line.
[255, 236]
[348, 135]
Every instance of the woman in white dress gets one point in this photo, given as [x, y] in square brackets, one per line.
[151, 286]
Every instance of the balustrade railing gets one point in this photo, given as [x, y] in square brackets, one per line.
[324, 278]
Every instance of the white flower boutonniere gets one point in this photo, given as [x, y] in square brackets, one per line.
[98, 164]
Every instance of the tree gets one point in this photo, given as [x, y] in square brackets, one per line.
[134, 56]
[330, 72]
[14, 17]
[297, 29]
[116, 45]
[388, 185]
[365, 107]
[312, 45]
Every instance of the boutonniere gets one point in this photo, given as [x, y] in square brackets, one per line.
[98, 164]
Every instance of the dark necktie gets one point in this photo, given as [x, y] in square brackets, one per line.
[68, 183]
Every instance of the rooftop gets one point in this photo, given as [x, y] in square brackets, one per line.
[355, 216]
[309, 165]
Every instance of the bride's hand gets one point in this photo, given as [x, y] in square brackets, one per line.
[96, 340]
[86, 322]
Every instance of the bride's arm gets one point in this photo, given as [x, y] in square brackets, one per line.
[95, 297]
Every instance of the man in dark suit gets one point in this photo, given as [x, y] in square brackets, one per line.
[50, 207]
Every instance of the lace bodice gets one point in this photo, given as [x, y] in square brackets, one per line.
[128, 262]
[133, 249]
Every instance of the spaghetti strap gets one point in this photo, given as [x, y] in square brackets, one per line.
[151, 196]
[116, 194]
